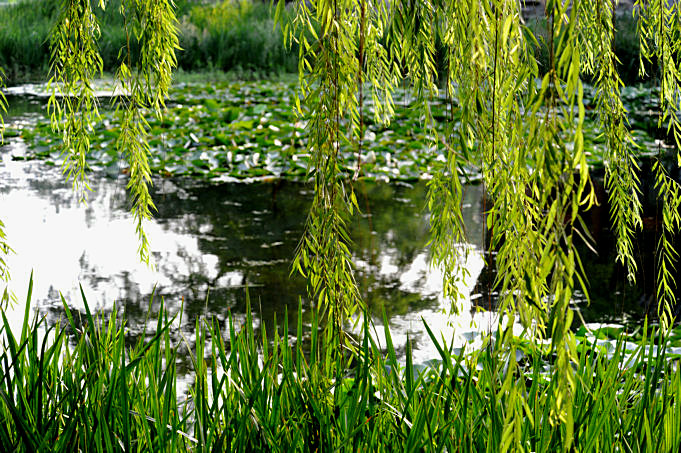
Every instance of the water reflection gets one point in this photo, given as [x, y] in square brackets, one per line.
[210, 245]
[612, 298]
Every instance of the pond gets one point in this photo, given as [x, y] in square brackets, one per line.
[212, 245]
[215, 246]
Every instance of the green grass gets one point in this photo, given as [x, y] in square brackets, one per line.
[81, 387]
[24, 50]
[237, 36]
[232, 35]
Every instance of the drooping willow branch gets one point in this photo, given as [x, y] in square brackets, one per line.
[462, 39]
[145, 81]
[658, 27]
[621, 168]
[5, 249]
[3, 106]
[340, 51]
[74, 64]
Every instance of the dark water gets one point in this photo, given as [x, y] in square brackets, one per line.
[211, 246]
[612, 298]
[214, 246]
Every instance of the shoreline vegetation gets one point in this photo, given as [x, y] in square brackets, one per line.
[235, 36]
[78, 385]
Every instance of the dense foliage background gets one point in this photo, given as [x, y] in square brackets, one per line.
[232, 35]
[238, 36]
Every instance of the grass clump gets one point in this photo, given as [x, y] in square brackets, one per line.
[235, 35]
[90, 390]
[230, 35]
[24, 47]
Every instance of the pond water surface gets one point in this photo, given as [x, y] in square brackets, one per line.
[214, 246]
[211, 245]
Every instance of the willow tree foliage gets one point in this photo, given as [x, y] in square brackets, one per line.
[143, 77]
[339, 51]
[522, 125]
[4, 246]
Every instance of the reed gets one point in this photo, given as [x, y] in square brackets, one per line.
[80, 386]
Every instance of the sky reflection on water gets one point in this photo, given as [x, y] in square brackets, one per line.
[212, 243]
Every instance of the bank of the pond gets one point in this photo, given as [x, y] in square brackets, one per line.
[93, 391]
[232, 35]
